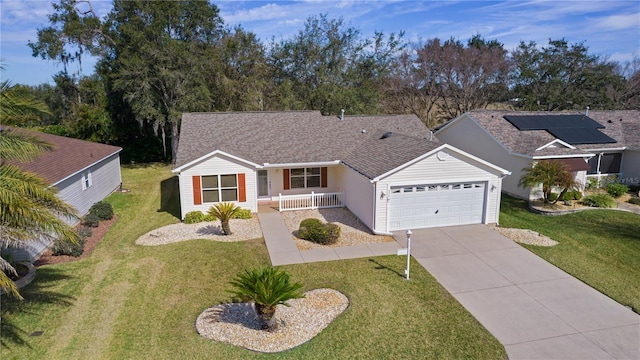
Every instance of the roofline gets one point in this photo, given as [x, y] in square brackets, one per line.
[303, 164]
[542, 157]
[447, 146]
[556, 141]
[85, 168]
[609, 149]
[189, 164]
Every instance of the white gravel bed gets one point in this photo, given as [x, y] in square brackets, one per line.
[242, 229]
[526, 236]
[237, 323]
[353, 232]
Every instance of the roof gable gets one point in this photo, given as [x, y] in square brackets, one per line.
[68, 157]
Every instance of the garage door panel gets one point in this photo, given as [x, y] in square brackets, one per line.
[436, 205]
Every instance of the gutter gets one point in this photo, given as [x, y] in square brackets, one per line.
[304, 164]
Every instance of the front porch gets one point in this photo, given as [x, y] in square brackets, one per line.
[303, 202]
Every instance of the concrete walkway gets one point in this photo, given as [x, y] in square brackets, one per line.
[283, 250]
[534, 309]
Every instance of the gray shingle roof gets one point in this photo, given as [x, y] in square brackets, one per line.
[299, 137]
[619, 125]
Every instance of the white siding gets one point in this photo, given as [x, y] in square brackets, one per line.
[106, 178]
[456, 168]
[277, 181]
[215, 165]
[359, 192]
[466, 135]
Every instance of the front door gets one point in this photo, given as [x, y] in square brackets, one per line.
[263, 184]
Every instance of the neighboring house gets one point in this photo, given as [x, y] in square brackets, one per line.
[594, 145]
[387, 170]
[84, 173]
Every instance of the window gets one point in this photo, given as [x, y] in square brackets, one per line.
[305, 178]
[86, 180]
[219, 188]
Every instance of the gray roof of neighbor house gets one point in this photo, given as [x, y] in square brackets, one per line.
[304, 137]
[68, 157]
[622, 125]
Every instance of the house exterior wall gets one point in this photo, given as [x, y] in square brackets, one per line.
[216, 165]
[105, 178]
[277, 183]
[467, 136]
[431, 170]
[359, 192]
[630, 167]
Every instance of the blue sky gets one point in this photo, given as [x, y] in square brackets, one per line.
[608, 28]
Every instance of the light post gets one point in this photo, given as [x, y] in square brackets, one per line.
[406, 271]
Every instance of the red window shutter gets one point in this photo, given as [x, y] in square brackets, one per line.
[323, 176]
[197, 191]
[242, 189]
[285, 180]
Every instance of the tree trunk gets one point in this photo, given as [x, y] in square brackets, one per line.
[226, 228]
[266, 314]
[174, 139]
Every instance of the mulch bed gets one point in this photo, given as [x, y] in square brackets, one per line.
[97, 234]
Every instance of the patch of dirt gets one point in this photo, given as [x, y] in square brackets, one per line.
[97, 234]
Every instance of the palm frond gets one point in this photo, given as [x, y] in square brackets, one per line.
[21, 147]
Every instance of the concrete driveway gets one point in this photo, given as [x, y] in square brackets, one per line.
[534, 309]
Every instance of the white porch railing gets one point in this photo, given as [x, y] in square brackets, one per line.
[310, 201]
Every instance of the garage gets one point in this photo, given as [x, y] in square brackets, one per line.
[433, 205]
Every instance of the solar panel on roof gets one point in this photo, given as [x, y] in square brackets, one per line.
[581, 136]
[574, 129]
[544, 122]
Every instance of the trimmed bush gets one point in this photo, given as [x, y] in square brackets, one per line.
[91, 220]
[69, 249]
[85, 232]
[193, 217]
[315, 231]
[243, 214]
[617, 190]
[599, 200]
[572, 195]
[634, 201]
[553, 197]
[103, 210]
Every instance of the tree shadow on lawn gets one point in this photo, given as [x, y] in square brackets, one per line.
[170, 196]
[35, 294]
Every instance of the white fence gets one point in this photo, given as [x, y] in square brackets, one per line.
[310, 201]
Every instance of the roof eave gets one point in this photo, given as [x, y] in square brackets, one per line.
[179, 169]
[302, 164]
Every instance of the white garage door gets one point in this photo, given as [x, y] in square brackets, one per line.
[422, 206]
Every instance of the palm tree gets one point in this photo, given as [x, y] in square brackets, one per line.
[29, 207]
[267, 287]
[224, 211]
[551, 173]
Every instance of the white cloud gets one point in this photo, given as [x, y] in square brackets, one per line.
[618, 22]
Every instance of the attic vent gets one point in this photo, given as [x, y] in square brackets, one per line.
[386, 135]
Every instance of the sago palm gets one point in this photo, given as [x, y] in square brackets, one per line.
[224, 212]
[549, 173]
[267, 287]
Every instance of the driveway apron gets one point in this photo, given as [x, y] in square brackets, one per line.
[534, 309]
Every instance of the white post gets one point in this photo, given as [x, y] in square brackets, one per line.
[408, 252]
[279, 201]
[313, 200]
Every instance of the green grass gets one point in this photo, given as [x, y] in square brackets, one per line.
[133, 302]
[599, 247]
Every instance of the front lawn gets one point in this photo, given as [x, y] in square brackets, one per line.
[599, 247]
[141, 302]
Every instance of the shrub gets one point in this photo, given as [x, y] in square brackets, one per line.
[243, 214]
[572, 195]
[103, 210]
[209, 217]
[315, 231]
[634, 201]
[592, 184]
[599, 200]
[193, 217]
[91, 220]
[617, 190]
[84, 232]
[67, 248]
[224, 212]
[553, 197]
